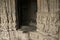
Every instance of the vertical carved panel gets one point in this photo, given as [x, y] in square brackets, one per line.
[4, 35]
[42, 5]
[47, 21]
[53, 5]
[7, 19]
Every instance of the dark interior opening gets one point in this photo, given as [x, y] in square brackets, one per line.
[26, 13]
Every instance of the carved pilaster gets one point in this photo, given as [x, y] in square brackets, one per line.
[48, 19]
[7, 19]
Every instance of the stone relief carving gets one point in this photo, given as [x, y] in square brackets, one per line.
[48, 24]
[46, 39]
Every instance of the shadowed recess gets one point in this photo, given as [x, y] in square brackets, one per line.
[26, 14]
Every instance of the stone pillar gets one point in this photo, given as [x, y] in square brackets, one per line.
[42, 5]
[7, 19]
[48, 19]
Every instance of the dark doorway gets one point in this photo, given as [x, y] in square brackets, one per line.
[26, 12]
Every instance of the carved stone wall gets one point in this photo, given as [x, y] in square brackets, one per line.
[7, 19]
[48, 26]
[48, 19]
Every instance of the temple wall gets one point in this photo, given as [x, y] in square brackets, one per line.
[48, 18]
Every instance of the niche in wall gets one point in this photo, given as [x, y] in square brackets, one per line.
[26, 14]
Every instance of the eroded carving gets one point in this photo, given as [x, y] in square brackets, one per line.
[49, 22]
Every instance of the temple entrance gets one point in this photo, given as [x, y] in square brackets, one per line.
[26, 12]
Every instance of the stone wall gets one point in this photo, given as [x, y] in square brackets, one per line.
[7, 19]
[48, 17]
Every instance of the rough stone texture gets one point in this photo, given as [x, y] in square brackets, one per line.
[7, 19]
[47, 21]
[47, 24]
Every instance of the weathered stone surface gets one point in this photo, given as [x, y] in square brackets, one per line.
[40, 36]
[48, 26]
[7, 18]
[48, 21]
